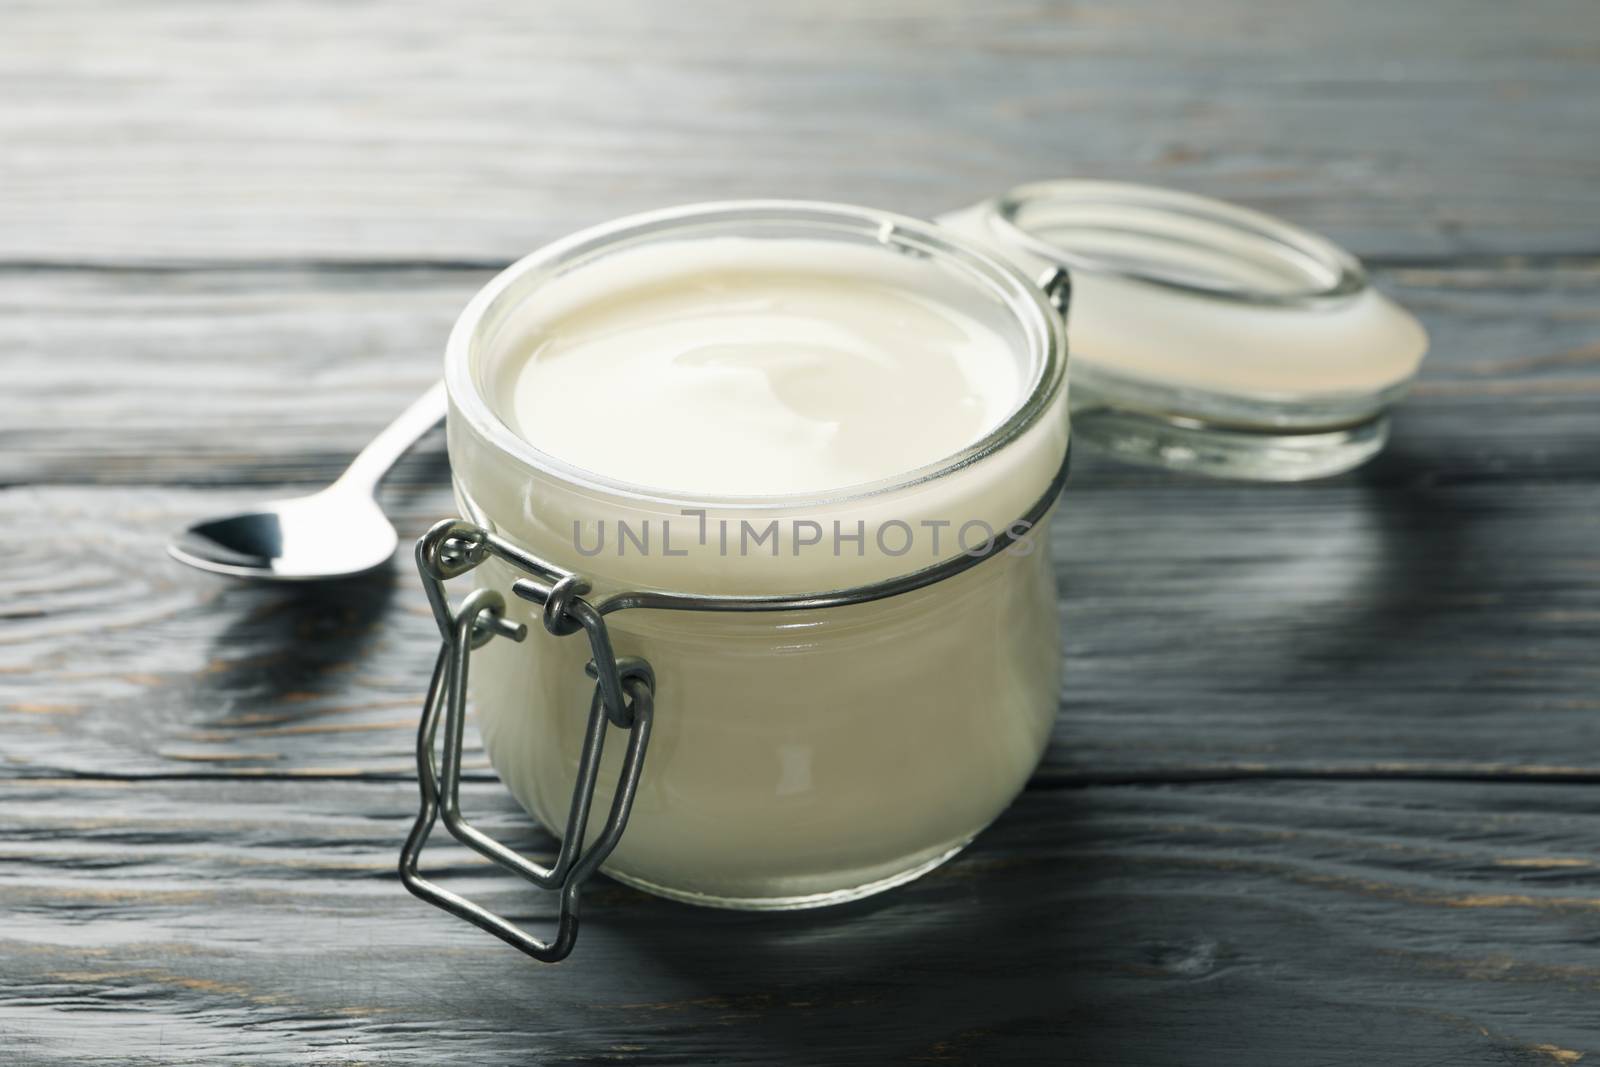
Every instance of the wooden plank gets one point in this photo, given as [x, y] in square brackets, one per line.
[1350, 629]
[280, 376]
[214, 377]
[160, 131]
[1268, 923]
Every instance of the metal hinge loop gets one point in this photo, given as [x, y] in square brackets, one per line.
[624, 695]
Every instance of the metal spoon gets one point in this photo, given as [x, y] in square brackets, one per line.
[335, 533]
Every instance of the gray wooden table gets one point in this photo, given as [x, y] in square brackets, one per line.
[1325, 786]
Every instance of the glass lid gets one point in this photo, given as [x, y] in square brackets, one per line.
[1207, 337]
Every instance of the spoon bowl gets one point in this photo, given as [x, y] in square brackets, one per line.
[336, 533]
[331, 534]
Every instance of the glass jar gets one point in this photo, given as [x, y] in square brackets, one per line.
[803, 728]
[1206, 337]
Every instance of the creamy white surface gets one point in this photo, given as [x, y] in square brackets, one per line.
[757, 376]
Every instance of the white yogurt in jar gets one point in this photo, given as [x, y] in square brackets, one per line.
[773, 363]
[735, 369]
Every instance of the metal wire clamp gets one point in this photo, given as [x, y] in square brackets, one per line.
[623, 695]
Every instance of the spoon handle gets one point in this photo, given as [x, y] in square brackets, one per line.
[384, 450]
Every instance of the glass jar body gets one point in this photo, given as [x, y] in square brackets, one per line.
[798, 758]
[809, 755]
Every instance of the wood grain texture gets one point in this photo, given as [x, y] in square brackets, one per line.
[1264, 923]
[231, 377]
[1322, 788]
[161, 130]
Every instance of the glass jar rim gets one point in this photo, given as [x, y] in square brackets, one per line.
[1042, 326]
[1327, 272]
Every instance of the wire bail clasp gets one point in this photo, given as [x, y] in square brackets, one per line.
[624, 695]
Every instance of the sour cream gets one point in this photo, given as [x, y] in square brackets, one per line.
[814, 368]
[736, 368]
